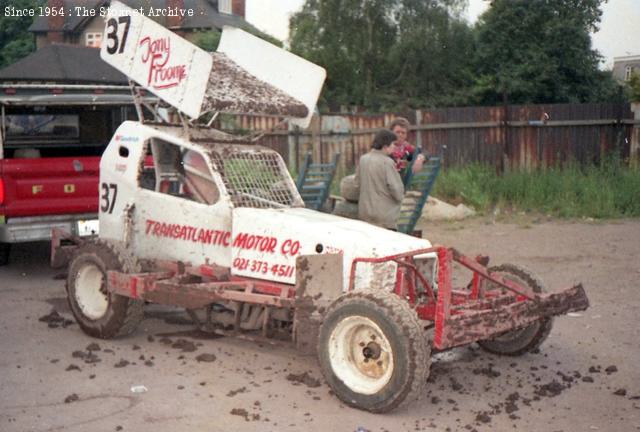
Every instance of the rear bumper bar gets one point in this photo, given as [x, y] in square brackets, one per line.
[37, 228]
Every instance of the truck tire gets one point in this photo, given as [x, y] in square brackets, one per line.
[373, 351]
[519, 341]
[98, 312]
[348, 188]
[5, 251]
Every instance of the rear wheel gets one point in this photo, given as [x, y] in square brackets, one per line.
[526, 339]
[100, 313]
[5, 251]
[373, 351]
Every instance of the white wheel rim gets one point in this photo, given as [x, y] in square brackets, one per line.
[90, 292]
[360, 355]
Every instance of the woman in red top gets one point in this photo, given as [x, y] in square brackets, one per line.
[404, 152]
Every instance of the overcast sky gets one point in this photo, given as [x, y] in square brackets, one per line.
[619, 33]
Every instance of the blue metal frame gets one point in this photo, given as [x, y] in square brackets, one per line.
[314, 181]
[421, 184]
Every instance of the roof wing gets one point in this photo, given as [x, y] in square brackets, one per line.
[247, 75]
[295, 76]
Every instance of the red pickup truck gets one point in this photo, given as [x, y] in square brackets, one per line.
[51, 140]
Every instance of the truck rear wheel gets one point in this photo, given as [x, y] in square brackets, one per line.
[373, 351]
[98, 312]
[526, 339]
[5, 251]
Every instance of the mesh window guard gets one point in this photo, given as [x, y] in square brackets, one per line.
[257, 179]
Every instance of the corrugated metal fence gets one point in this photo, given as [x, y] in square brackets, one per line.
[515, 137]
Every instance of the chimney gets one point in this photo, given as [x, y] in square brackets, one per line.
[56, 23]
[174, 22]
[237, 7]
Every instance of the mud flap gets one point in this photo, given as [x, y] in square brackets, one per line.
[472, 326]
[319, 282]
[63, 246]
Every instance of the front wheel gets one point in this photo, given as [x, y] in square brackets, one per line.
[100, 313]
[526, 339]
[373, 351]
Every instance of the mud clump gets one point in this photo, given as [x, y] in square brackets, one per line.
[587, 379]
[483, 417]
[165, 340]
[232, 393]
[611, 369]
[72, 367]
[78, 354]
[122, 363]
[510, 404]
[55, 320]
[554, 388]
[206, 358]
[455, 385]
[620, 392]
[304, 378]
[240, 412]
[488, 372]
[71, 398]
[184, 345]
[93, 347]
[89, 357]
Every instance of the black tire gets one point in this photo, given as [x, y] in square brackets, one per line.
[99, 313]
[399, 345]
[527, 339]
[5, 251]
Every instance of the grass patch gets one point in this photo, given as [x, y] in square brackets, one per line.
[609, 190]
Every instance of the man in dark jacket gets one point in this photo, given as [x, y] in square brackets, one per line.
[381, 188]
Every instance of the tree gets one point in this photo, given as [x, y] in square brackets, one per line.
[389, 54]
[539, 51]
[634, 87]
[210, 39]
[15, 39]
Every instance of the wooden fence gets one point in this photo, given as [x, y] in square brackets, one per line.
[515, 137]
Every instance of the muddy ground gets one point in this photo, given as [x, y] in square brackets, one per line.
[586, 377]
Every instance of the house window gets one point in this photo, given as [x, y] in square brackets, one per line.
[224, 6]
[628, 71]
[93, 40]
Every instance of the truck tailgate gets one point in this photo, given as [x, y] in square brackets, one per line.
[49, 186]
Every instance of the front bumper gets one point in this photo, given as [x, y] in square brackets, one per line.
[37, 228]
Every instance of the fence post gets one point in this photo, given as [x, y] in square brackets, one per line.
[634, 147]
[292, 141]
[418, 130]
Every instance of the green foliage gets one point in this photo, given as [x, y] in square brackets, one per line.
[539, 51]
[386, 54]
[634, 87]
[606, 191]
[209, 40]
[15, 40]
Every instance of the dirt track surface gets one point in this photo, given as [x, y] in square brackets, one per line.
[585, 378]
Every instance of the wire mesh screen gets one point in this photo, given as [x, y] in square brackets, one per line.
[257, 179]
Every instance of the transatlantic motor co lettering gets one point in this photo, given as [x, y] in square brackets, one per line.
[258, 243]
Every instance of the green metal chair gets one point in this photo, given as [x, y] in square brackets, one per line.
[314, 181]
[417, 189]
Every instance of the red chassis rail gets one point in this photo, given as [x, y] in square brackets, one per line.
[468, 315]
